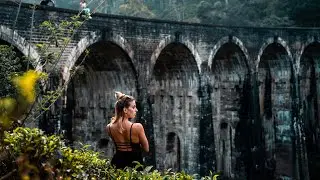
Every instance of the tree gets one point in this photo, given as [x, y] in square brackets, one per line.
[136, 8]
[28, 103]
[305, 13]
[244, 13]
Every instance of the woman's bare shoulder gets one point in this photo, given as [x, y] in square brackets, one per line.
[137, 126]
[108, 126]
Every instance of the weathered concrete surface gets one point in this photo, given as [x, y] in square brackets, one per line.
[241, 100]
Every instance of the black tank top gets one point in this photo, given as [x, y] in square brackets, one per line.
[125, 146]
[126, 152]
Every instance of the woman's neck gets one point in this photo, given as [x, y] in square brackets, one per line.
[122, 120]
[125, 119]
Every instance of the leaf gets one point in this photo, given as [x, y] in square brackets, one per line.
[215, 176]
[148, 169]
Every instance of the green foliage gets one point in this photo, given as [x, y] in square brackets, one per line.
[10, 63]
[228, 12]
[40, 156]
[34, 152]
[245, 13]
[42, 152]
[33, 142]
[136, 8]
[49, 98]
[305, 12]
[223, 12]
[59, 35]
[82, 163]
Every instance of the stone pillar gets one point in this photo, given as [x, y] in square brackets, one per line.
[299, 146]
[207, 135]
[146, 102]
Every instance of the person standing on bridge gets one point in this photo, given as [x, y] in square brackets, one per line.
[85, 9]
[129, 138]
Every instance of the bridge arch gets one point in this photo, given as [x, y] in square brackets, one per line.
[224, 41]
[309, 62]
[174, 86]
[91, 39]
[169, 40]
[275, 68]
[90, 95]
[229, 69]
[269, 41]
[21, 44]
[308, 43]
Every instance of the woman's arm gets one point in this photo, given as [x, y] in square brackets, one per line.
[142, 137]
[103, 142]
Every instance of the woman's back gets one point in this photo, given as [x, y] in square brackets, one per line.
[127, 143]
[129, 138]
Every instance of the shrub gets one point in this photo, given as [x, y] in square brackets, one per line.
[39, 156]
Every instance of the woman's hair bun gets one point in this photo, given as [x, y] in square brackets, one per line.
[119, 95]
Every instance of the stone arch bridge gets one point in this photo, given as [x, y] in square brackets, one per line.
[241, 100]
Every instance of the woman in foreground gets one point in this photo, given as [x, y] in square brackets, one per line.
[129, 138]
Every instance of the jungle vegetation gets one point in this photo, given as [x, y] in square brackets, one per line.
[261, 13]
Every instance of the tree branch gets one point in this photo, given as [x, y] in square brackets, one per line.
[8, 175]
